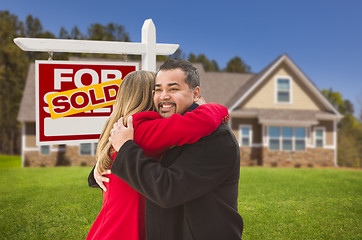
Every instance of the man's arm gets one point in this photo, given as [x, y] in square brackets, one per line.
[198, 169]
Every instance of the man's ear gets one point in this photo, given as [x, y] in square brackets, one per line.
[196, 93]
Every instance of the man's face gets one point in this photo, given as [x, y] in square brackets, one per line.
[172, 94]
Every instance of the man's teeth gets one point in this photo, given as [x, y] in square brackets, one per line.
[166, 105]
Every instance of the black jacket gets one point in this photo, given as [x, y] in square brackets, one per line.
[193, 193]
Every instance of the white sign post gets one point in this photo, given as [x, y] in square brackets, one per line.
[148, 48]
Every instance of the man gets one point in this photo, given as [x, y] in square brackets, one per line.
[192, 193]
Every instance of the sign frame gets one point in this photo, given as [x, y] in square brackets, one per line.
[54, 136]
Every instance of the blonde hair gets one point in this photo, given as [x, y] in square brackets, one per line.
[134, 95]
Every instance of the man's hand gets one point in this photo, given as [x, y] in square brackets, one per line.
[100, 178]
[121, 134]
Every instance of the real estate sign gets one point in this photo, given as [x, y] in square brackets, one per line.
[74, 99]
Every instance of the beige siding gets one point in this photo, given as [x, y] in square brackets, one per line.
[30, 139]
[265, 95]
[253, 122]
[329, 132]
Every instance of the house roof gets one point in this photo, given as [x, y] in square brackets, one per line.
[228, 89]
[219, 87]
[27, 105]
[254, 82]
[284, 116]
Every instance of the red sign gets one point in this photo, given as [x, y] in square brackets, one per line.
[59, 76]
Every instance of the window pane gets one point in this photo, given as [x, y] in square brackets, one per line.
[299, 145]
[300, 132]
[274, 132]
[287, 132]
[45, 149]
[287, 144]
[85, 149]
[245, 131]
[283, 84]
[319, 133]
[283, 96]
[319, 143]
[274, 144]
[95, 148]
[245, 141]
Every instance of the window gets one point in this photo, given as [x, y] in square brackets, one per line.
[85, 149]
[95, 148]
[287, 142]
[319, 137]
[88, 148]
[274, 138]
[287, 138]
[283, 90]
[300, 139]
[45, 150]
[245, 135]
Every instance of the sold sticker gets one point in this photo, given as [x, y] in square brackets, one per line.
[83, 99]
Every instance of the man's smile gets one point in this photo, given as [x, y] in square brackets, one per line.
[166, 106]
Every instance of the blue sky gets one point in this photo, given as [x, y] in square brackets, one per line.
[323, 37]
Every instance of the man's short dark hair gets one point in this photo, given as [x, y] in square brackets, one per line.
[192, 77]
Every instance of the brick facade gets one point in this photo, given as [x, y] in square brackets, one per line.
[262, 156]
[68, 157]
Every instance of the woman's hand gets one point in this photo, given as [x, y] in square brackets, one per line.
[100, 178]
[121, 134]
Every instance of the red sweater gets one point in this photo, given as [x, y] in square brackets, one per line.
[122, 213]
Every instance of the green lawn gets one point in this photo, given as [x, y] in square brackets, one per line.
[276, 203]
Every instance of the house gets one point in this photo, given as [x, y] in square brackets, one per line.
[278, 116]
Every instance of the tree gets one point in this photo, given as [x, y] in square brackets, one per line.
[13, 69]
[76, 34]
[350, 142]
[348, 107]
[349, 131]
[236, 64]
[34, 29]
[210, 66]
[215, 66]
[63, 34]
[110, 32]
[178, 54]
[335, 98]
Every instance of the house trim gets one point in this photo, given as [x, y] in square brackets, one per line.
[250, 134]
[311, 86]
[276, 90]
[287, 123]
[22, 144]
[335, 142]
[281, 138]
[324, 137]
[256, 84]
[302, 76]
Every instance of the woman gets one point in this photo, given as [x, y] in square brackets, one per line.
[122, 213]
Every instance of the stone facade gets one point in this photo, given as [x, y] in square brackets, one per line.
[262, 156]
[250, 156]
[69, 156]
[72, 152]
[35, 159]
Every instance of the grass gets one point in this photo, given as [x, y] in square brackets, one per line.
[10, 161]
[282, 203]
[275, 203]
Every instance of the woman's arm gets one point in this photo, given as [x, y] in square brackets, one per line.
[156, 134]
